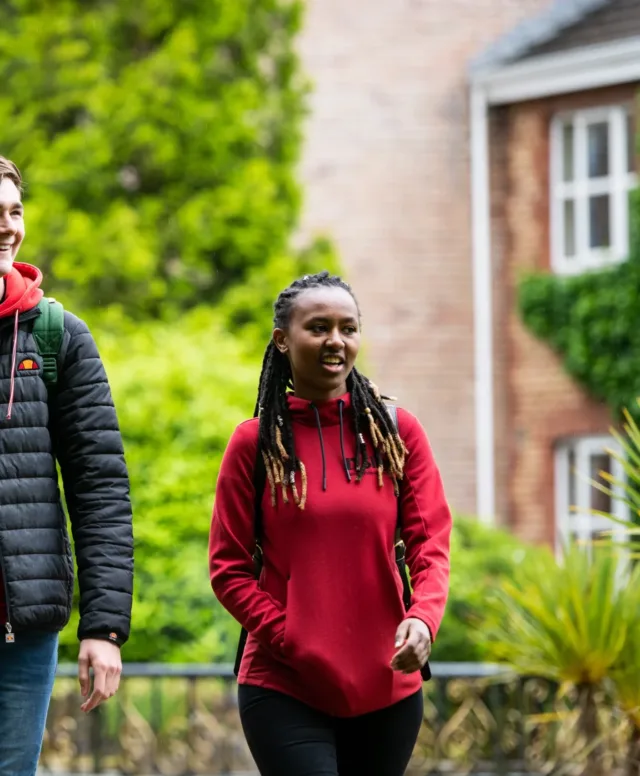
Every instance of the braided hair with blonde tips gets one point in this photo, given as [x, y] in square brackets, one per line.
[275, 435]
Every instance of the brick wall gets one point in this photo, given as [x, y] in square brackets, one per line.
[539, 403]
[386, 171]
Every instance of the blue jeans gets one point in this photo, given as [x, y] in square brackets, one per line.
[27, 670]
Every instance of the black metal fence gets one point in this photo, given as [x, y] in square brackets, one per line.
[182, 720]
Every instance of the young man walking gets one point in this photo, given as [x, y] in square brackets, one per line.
[54, 409]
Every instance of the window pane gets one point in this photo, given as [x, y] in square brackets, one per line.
[567, 152]
[631, 144]
[569, 228]
[600, 463]
[598, 143]
[599, 222]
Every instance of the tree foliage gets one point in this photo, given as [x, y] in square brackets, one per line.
[158, 141]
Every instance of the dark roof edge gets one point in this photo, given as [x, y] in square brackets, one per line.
[544, 27]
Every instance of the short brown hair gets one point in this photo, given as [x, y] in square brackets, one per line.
[9, 170]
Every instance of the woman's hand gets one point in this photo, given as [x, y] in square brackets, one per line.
[414, 642]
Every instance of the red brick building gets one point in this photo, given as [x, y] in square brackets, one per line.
[440, 181]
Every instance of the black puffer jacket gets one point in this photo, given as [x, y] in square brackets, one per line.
[78, 426]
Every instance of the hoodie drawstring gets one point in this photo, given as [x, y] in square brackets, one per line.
[320, 436]
[344, 458]
[324, 462]
[13, 364]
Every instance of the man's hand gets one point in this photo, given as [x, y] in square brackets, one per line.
[414, 642]
[104, 658]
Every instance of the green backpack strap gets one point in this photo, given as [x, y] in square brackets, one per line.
[48, 332]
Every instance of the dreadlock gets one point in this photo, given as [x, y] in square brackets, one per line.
[275, 435]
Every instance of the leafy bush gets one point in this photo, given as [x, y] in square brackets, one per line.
[481, 559]
[625, 674]
[567, 620]
[573, 622]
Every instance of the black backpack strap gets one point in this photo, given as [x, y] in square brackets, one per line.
[400, 549]
[398, 543]
[393, 413]
[259, 483]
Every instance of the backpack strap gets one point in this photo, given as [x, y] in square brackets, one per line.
[48, 332]
[398, 544]
[393, 412]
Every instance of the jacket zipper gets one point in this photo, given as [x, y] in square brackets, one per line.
[9, 636]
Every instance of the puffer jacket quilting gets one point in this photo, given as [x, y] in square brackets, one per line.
[78, 426]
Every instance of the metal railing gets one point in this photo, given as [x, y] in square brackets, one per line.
[182, 720]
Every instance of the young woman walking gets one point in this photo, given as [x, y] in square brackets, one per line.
[330, 680]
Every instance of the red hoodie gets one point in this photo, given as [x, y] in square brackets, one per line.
[323, 617]
[21, 293]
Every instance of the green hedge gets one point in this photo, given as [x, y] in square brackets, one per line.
[481, 557]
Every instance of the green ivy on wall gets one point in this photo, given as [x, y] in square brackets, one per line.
[593, 322]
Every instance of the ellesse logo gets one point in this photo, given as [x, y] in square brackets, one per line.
[28, 365]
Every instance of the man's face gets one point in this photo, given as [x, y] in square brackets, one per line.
[11, 224]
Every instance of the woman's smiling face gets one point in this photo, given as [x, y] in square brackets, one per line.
[321, 341]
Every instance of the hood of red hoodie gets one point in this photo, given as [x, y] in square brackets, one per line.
[328, 411]
[22, 290]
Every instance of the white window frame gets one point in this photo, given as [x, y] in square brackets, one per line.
[571, 524]
[617, 185]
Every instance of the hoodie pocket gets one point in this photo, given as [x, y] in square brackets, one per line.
[276, 586]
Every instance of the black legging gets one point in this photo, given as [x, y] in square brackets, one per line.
[288, 738]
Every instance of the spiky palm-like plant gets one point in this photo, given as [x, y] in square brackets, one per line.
[567, 621]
